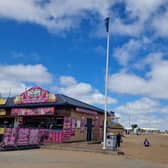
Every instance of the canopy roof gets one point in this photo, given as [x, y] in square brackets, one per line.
[62, 101]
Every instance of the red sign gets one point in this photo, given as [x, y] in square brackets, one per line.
[32, 111]
[35, 95]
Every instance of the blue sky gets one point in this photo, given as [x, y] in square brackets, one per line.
[61, 46]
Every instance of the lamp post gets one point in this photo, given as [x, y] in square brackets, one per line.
[106, 82]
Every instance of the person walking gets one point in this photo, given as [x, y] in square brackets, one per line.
[118, 140]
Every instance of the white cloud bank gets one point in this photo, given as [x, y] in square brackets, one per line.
[127, 52]
[82, 91]
[63, 15]
[153, 84]
[54, 14]
[143, 112]
[14, 78]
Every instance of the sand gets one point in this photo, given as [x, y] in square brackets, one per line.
[136, 156]
[156, 153]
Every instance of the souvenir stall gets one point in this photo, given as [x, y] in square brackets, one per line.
[6, 121]
[42, 117]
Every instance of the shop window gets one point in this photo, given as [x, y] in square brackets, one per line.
[57, 123]
[36, 122]
[6, 122]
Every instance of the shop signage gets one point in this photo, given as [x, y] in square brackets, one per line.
[32, 111]
[2, 101]
[86, 111]
[2, 112]
[35, 95]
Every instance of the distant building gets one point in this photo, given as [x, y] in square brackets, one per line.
[150, 130]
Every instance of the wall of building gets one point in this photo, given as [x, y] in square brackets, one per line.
[79, 128]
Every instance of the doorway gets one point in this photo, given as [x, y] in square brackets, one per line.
[89, 129]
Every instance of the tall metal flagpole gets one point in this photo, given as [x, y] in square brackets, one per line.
[106, 81]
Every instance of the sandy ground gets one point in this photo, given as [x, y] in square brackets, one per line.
[156, 153]
[136, 156]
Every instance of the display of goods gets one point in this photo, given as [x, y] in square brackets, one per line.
[97, 127]
[67, 123]
[34, 137]
[23, 136]
[27, 136]
[43, 135]
[68, 128]
[82, 124]
[67, 135]
[9, 137]
[73, 126]
[55, 136]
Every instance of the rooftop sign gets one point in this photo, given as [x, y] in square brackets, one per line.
[35, 95]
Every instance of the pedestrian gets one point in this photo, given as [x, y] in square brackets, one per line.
[118, 139]
[146, 143]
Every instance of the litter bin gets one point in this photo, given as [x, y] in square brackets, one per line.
[111, 141]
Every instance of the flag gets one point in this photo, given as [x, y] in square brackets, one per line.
[107, 19]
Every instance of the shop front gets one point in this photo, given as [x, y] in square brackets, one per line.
[37, 116]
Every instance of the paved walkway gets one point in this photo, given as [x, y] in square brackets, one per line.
[81, 146]
[44, 158]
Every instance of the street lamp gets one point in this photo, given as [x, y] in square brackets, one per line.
[106, 81]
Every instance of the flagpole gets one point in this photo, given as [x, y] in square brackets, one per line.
[106, 82]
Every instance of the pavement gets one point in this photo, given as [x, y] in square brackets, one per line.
[83, 147]
[44, 158]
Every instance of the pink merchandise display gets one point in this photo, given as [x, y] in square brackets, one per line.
[23, 136]
[26, 136]
[97, 127]
[55, 136]
[67, 128]
[43, 135]
[82, 125]
[9, 137]
[34, 138]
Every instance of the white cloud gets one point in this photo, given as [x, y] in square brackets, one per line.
[127, 52]
[139, 12]
[67, 80]
[141, 106]
[142, 112]
[25, 73]
[153, 84]
[16, 77]
[131, 29]
[143, 9]
[82, 91]
[10, 88]
[150, 60]
[53, 14]
[160, 24]
[64, 15]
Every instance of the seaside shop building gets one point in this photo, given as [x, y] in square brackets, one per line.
[48, 117]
